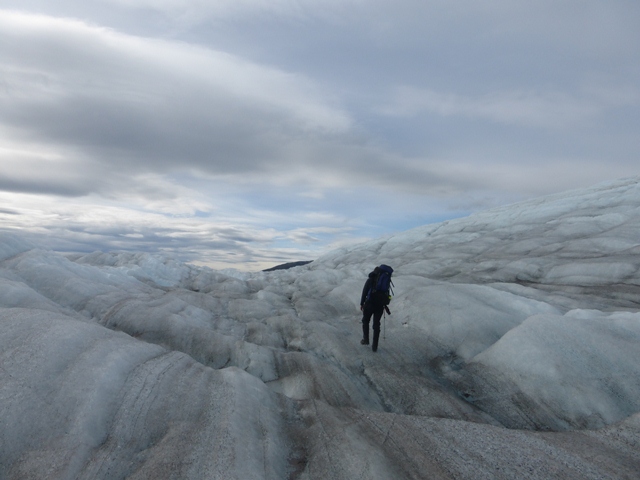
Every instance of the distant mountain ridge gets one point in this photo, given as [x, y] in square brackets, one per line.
[286, 266]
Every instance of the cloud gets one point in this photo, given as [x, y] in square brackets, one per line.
[39, 171]
[97, 224]
[140, 104]
[243, 130]
[548, 109]
[89, 109]
[56, 60]
[196, 11]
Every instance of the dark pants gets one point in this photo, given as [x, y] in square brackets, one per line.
[371, 309]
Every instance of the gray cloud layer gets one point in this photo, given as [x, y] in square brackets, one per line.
[278, 118]
[143, 105]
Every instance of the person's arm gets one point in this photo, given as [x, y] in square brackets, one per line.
[365, 291]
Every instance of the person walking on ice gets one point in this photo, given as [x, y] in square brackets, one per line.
[373, 301]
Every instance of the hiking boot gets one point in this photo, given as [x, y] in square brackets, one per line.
[376, 336]
[364, 342]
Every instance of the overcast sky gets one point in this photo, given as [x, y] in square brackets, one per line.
[247, 133]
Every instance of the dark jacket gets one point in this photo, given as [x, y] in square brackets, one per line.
[376, 298]
[368, 285]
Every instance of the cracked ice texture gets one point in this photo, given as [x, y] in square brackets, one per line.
[511, 352]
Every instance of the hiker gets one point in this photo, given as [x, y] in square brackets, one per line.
[374, 299]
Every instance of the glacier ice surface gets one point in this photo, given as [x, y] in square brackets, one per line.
[511, 352]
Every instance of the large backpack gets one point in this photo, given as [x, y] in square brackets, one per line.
[383, 283]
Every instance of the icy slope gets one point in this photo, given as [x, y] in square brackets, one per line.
[506, 323]
[586, 239]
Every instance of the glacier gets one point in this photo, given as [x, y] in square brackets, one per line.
[511, 352]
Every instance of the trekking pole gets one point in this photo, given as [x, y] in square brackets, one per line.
[384, 322]
[384, 326]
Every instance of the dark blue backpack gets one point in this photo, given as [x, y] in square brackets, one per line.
[383, 283]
